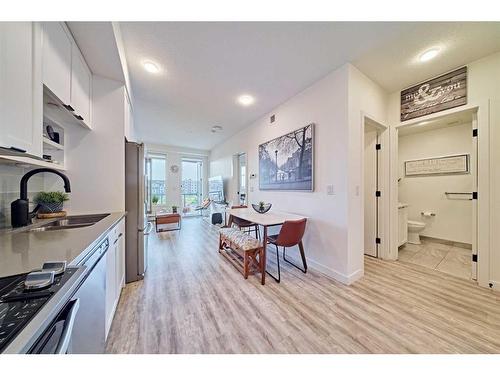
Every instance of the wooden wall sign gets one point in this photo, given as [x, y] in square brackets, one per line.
[436, 95]
[453, 164]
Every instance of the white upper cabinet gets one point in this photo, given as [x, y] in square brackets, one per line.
[20, 87]
[57, 60]
[81, 85]
[65, 72]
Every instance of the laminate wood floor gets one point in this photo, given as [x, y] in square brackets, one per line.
[194, 301]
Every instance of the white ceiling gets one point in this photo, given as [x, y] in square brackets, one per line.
[205, 66]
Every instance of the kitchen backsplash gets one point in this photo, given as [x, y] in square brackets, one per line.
[10, 177]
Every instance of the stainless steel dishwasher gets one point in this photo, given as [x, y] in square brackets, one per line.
[88, 330]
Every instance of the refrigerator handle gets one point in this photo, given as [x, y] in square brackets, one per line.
[149, 229]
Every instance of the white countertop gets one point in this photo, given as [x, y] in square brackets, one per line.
[24, 251]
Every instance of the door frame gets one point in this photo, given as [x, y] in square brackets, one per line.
[480, 115]
[383, 158]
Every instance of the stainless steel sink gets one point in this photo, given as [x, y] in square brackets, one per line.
[70, 222]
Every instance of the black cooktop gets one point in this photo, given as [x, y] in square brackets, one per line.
[18, 307]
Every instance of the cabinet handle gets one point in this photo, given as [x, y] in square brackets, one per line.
[78, 117]
[121, 234]
[115, 241]
[69, 108]
[17, 149]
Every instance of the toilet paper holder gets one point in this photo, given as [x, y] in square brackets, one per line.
[429, 214]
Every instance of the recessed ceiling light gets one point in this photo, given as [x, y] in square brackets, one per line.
[429, 54]
[151, 67]
[246, 100]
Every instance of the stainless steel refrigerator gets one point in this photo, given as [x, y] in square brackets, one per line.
[137, 226]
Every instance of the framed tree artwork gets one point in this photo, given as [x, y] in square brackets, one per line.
[287, 162]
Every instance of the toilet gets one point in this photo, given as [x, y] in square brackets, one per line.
[414, 229]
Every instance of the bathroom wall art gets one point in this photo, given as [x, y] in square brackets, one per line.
[443, 165]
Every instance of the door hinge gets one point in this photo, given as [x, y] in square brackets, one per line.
[377, 240]
[378, 146]
[377, 193]
[474, 132]
[474, 257]
[474, 195]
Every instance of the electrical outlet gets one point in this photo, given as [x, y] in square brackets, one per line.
[251, 189]
[330, 190]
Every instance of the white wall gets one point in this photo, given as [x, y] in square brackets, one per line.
[324, 104]
[174, 156]
[453, 220]
[96, 159]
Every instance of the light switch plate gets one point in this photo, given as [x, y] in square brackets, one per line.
[330, 190]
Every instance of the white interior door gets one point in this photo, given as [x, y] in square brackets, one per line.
[370, 188]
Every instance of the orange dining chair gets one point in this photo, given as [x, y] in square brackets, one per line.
[290, 234]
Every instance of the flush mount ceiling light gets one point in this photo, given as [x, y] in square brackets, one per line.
[151, 67]
[246, 100]
[429, 54]
[216, 129]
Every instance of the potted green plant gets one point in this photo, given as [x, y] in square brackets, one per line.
[50, 201]
[155, 199]
[174, 209]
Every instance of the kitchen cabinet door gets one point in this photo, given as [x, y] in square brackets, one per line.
[403, 226]
[56, 48]
[81, 86]
[110, 284]
[20, 87]
[120, 258]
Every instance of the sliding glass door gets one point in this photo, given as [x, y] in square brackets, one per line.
[156, 183]
[192, 187]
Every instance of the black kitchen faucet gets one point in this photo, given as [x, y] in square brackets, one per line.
[19, 209]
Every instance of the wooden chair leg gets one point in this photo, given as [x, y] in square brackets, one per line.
[245, 265]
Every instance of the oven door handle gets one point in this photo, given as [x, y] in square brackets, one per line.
[63, 345]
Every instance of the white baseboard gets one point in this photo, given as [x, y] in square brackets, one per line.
[330, 272]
